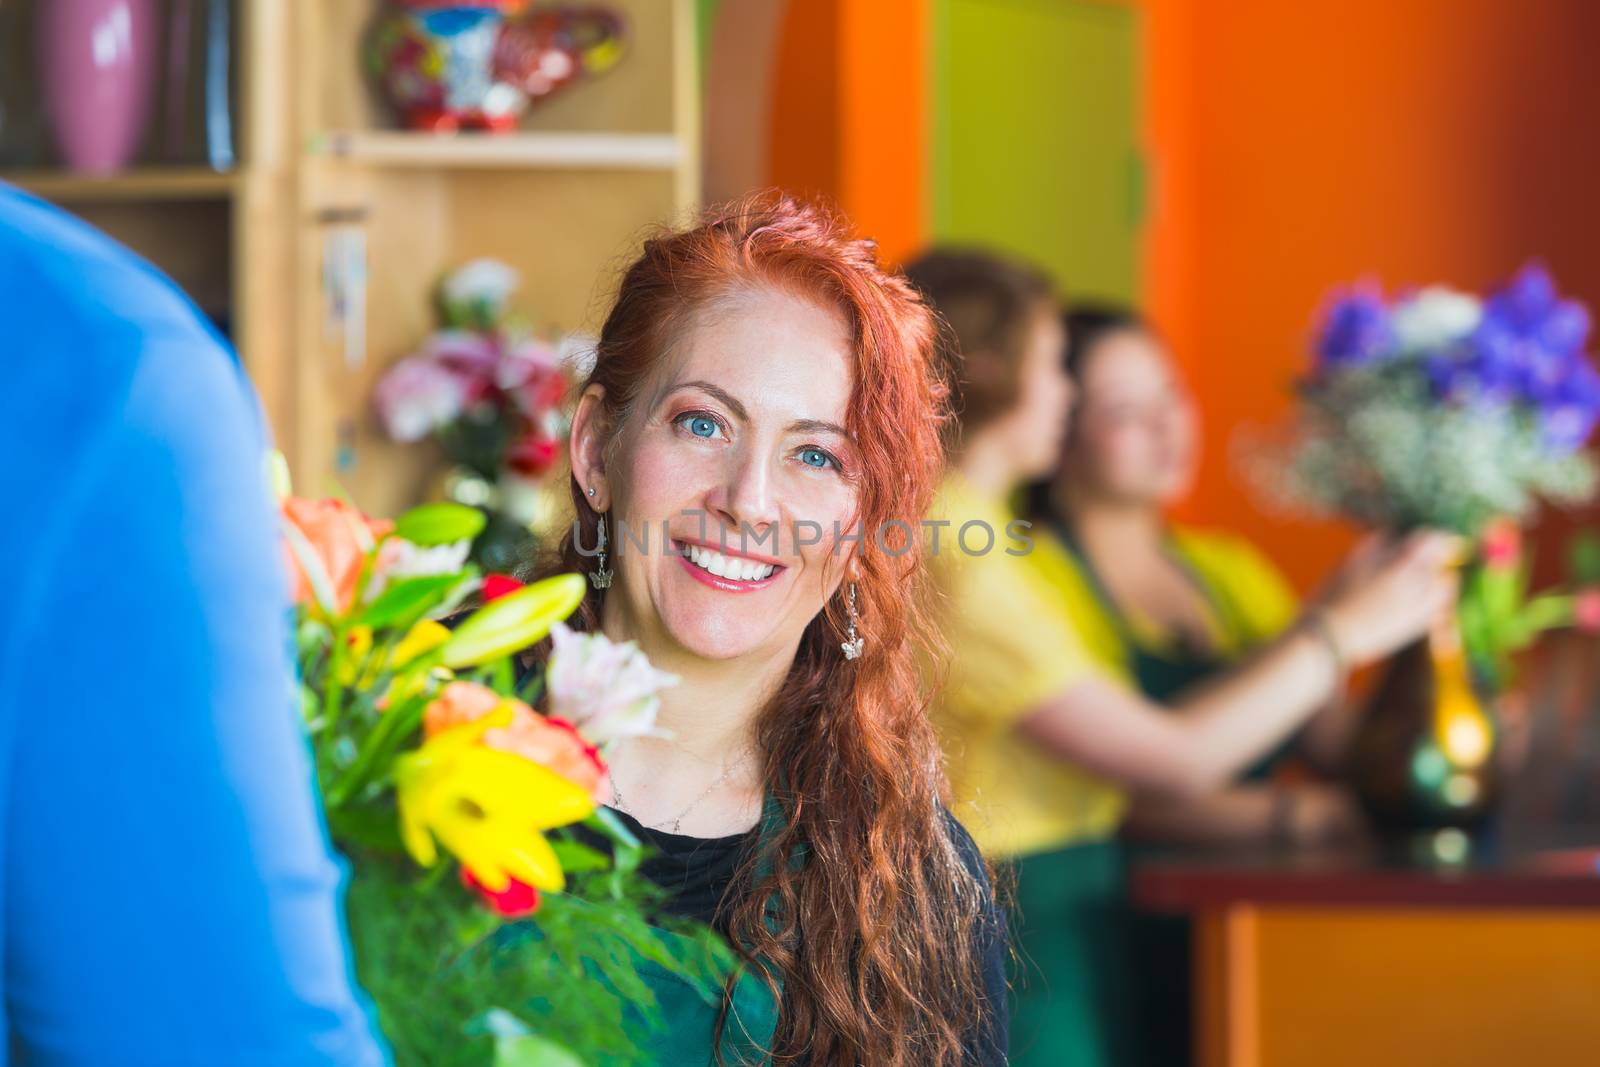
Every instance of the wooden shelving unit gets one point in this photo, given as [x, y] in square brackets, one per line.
[565, 201]
[538, 150]
[145, 184]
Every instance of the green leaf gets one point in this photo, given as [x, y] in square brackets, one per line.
[1546, 612]
[516, 1046]
[407, 600]
[513, 622]
[1583, 558]
[576, 857]
[439, 524]
[371, 828]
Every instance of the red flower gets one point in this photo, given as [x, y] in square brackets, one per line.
[1502, 545]
[516, 901]
[496, 586]
[1586, 610]
[533, 455]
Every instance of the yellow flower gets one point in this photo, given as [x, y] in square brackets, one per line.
[485, 806]
[421, 639]
[513, 621]
[357, 646]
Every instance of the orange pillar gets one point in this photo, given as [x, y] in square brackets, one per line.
[849, 121]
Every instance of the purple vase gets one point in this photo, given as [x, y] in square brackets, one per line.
[97, 59]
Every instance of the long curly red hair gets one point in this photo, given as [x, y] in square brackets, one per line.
[875, 923]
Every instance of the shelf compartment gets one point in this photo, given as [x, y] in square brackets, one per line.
[176, 183]
[555, 151]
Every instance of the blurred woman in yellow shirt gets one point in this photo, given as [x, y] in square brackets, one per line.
[1043, 745]
[1167, 607]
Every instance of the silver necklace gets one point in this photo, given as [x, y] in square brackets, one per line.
[675, 825]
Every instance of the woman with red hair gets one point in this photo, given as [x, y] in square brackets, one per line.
[751, 455]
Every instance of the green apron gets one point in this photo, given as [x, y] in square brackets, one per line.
[1159, 947]
[687, 1038]
[1072, 1001]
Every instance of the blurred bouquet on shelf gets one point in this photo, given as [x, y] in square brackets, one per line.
[491, 392]
[494, 906]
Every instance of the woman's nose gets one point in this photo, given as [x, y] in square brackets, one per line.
[747, 498]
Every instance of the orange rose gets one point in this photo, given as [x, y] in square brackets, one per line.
[327, 541]
[551, 743]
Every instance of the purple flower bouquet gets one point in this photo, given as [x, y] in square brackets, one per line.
[1437, 409]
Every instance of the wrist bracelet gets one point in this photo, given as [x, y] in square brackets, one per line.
[1317, 621]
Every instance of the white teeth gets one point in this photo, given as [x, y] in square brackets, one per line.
[738, 570]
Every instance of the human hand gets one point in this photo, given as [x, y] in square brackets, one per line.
[1390, 593]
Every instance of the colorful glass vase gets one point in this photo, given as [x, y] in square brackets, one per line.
[450, 65]
[1425, 755]
[97, 61]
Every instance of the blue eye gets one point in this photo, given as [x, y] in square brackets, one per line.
[703, 426]
[816, 457]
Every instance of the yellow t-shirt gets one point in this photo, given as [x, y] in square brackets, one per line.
[1252, 601]
[1013, 647]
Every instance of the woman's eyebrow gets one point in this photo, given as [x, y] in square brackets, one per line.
[740, 413]
[716, 391]
[817, 426]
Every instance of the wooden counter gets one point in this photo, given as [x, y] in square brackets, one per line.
[1364, 959]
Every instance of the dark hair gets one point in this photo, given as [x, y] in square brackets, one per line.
[985, 303]
[1088, 324]
[872, 933]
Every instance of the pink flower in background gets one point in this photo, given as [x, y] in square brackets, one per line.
[1502, 545]
[473, 357]
[533, 455]
[531, 374]
[1586, 609]
[607, 690]
[418, 395]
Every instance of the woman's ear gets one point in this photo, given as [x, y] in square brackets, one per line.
[591, 430]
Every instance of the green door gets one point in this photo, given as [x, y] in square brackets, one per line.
[1034, 114]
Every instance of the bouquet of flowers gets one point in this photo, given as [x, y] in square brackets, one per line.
[1439, 409]
[494, 907]
[489, 390]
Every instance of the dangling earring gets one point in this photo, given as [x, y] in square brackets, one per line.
[600, 576]
[853, 646]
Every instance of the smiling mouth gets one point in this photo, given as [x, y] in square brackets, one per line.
[732, 570]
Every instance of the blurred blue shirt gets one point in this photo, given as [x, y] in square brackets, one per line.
[167, 895]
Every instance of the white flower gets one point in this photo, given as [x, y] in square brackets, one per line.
[486, 281]
[414, 561]
[605, 689]
[399, 559]
[577, 351]
[1435, 318]
[416, 396]
[525, 359]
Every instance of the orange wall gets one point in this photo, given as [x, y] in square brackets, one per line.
[849, 115]
[1295, 145]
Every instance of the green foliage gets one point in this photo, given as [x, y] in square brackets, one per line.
[1499, 616]
[455, 984]
[449, 978]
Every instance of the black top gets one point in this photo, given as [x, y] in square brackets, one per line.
[697, 871]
